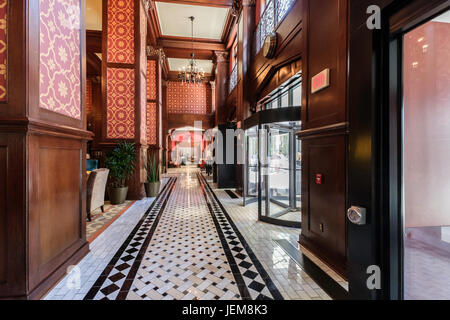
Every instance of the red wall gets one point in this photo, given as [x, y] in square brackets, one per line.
[188, 98]
[427, 125]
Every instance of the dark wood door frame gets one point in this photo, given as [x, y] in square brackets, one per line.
[375, 182]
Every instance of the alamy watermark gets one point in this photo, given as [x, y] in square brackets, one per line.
[374, 19]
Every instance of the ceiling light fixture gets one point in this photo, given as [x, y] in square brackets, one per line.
[191, 74]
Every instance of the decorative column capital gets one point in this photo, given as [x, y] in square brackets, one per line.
[156, 53]
[221, 56]
[213, 85]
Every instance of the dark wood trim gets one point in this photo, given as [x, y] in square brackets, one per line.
[291, 47]
[94, 41]
[40, 127]
[181, 43]
[333, 129]
[45, 286]
[186, 53]
[230, 24]
[204, 3]
[417, 11]
[189, 39]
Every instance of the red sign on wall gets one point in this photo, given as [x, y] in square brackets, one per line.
[320, 81]
[318, 178]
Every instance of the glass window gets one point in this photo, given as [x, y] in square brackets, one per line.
[297, 96]
[285, 100]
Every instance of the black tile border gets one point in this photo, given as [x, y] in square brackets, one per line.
[104, 275]
[328, 284]
[231, 194]
[243, 290]
[268, 281]
[123, 293]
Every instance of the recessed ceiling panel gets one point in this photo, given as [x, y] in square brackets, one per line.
[94, 15]
[176, 64]
[174, 20]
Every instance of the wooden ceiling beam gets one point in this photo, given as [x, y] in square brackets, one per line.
[205, 3]
[181, 43]
[186, 53]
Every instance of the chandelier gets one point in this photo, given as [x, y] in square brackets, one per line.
[191, 74]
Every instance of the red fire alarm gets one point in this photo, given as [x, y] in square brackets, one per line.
[318, 178]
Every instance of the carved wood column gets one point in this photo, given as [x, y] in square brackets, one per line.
[221, 63]
[213, 97]
[246, 26]
[246, 22]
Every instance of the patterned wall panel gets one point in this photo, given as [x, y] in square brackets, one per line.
[151, 123]
[88, 96]
[151, 80]
[121, 31]
[120, 96]
[188, 98]
[60, 60]
[3, 48]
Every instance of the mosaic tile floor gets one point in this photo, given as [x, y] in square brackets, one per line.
[100, 221]
[185, 244]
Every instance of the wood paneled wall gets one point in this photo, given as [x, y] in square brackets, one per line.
[42, 166]
[311, 38]
[265, 75]
[324, 133]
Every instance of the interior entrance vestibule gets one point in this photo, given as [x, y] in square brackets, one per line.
[273, 156]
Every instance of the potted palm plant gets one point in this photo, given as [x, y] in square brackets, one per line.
[121, 164]
[153, 184]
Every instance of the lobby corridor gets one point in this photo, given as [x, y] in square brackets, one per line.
[186, 246]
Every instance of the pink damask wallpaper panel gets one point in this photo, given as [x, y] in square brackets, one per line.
[120, 103]
[188, 98]
[151, 123]
[3, 48]
[120, 31]
[60, 57]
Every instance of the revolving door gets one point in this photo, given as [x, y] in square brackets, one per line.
[273, 167]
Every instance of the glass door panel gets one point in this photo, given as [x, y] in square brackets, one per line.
[279, 174]
[251, 159]
[426, 161]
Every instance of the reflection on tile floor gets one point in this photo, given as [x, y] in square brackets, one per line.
[427, 272]
[185, 247]
[290, 279]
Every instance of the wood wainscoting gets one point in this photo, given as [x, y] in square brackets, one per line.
[324, 133]
[42, 164]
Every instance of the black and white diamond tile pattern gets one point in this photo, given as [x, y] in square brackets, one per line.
[256, 279]
[113, 279]
[185, 258]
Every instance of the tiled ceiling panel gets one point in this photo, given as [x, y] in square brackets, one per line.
[174, 20]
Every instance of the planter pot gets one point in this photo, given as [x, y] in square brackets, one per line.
[118, 195]
[152, 189]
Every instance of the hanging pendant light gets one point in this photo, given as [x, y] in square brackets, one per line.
[191, 74]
